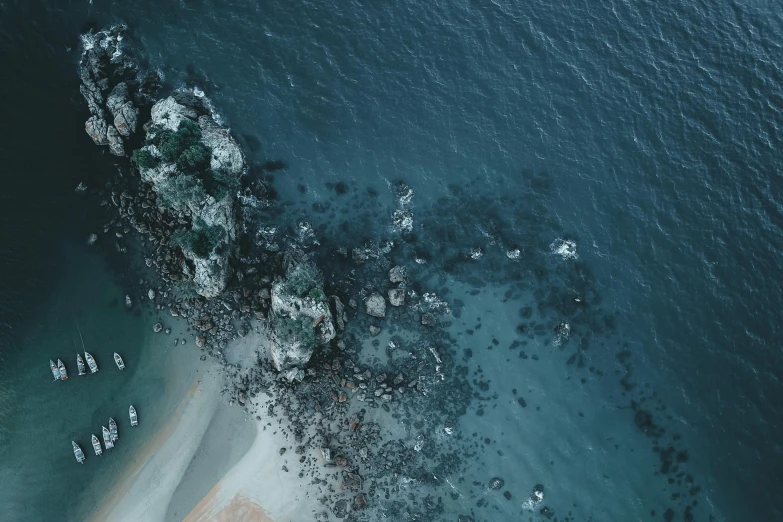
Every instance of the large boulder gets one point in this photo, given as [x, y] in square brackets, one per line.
[211, 270]
[226, 153]
[96, 128]
[211, 274]
[300, 320]
[125, 114]
[375, 305]
[168, 114]
[116, 146]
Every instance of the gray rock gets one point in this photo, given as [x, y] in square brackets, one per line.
[297, 325]
[92, 239]
[374, 330]
[151, 294]
[339, 315]
[125, 114]
[157, 328]
[397, 297]
[396, 274]
[96, 128]
[128, 301]
[168, 114]
[226, 153]
[375, 305]
[116, 145]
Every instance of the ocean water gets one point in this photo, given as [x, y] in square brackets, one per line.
[647, 133]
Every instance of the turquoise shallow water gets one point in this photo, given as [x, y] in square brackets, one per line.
[40, 477]
[649, 133]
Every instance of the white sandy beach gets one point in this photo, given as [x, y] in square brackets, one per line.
[255, 489]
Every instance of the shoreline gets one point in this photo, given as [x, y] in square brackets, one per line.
[141, 493]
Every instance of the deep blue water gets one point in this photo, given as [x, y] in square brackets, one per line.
[652, 131]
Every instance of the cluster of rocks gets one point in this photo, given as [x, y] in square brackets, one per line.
[115, 88]
[319, 382]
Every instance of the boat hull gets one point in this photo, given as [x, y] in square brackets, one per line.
[134, 419]
[61, 369]
[91, 362]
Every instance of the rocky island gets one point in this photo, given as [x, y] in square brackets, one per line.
[182, 200]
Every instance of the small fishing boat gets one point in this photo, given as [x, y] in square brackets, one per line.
[80, 364]
[77, 451]
[107, 438]
[91, 362]
[96, 445]
[118, 360]
[55, 370]
[61, 368]
[113, 430]
[134, 419]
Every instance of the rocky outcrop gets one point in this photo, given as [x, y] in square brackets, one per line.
[187, 192]
[113, 87]
[300, 320]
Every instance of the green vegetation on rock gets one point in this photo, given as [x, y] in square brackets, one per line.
[172, 145]
[144, 159]
[177, 191]
[290, 330]
[192, 158]
[201, 241]
[304, 280]
[219, 183]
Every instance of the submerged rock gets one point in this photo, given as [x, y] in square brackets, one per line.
[375, 305]
[397, 297]
[496, 483]
[396, 274]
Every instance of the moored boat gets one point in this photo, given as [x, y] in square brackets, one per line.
[119, 361]
[55, 370]
[80, 364]
[91, 362]
[61, 368]
[133, 418]
[107, 438]
[77, 451]
[96, 445]
[113, 430]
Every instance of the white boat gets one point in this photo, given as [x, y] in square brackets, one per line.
[107, 438]
[77, 451]
[61, 368]
[96, 445]
[55, 370]
[91, 362]
[118, 360]
[113, 430]
[134, 419]
[80, 364]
